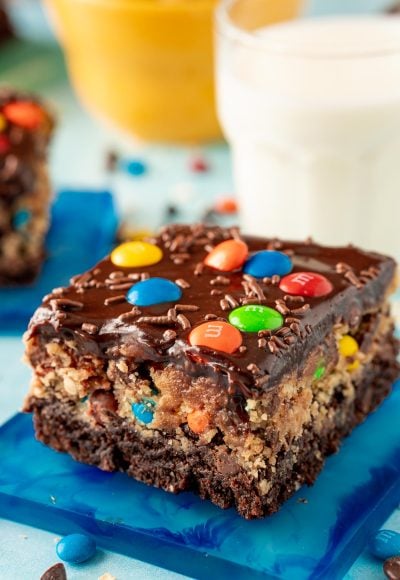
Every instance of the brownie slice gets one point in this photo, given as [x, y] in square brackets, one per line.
[209, 362]
[25, 130]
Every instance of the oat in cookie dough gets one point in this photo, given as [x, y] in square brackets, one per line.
[25, 131]
[206, 361]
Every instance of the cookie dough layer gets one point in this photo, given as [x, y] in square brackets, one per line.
[180, 461]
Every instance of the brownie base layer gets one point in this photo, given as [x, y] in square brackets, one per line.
[206, 469]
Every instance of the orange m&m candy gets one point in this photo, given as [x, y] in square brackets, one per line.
[226, 205]
[25, 114]
[198, 421]
[217, 335]
[227, 256]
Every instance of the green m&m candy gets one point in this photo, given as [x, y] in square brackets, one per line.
[254, 317]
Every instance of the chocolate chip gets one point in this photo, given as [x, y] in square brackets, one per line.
[56, 572]
[391, 568]
[102, 402]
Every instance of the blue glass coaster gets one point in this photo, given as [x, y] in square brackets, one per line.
[83, 228]
[317, 534]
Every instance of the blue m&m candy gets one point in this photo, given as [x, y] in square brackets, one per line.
[76, 548]
[153, 291]
[21, 218]
[268, 263]
[135, 167]
[255, 317]
[144, 411]
[385, 544]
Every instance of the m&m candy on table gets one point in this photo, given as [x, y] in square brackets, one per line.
[144, 411]
[76, 548]
[135, 167]
[255, 317]
[268, 263]
[25, 114]
[226, 205]
[308, 284]
[135, 254]
[216, 334]
[227, 256]
[385, 544]
[153, 291]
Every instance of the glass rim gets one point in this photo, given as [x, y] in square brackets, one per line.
[227, 28]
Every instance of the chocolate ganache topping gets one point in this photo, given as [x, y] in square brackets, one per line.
[95, 312]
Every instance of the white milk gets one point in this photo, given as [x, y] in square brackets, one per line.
[312, 111]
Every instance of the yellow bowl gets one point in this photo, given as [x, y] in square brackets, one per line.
[146, 65]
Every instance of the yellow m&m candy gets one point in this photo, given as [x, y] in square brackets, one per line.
[2, 122]
[348, 346]
[136, 254]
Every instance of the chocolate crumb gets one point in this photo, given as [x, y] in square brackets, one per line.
[253, 368]
[275, 280]
[242, 348]
[293, 299]
[216, 292]
[169, 335]
[391, 568]
[56, 572]
[262, 342]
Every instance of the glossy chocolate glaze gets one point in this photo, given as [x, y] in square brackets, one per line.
[79, 312]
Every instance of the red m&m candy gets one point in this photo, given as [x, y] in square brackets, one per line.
[227, 256]
[25, 114]
[217, 335]
[306, 284]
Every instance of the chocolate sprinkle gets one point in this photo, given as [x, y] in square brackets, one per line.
[183, 321]
[90, 328]
[182, 283]
[65, 304]
[115, 300]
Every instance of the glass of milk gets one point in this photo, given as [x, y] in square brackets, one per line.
[311, 109]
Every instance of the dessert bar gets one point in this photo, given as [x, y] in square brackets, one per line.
[25, 131]
[206, 361]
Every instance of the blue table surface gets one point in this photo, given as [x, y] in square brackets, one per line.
[78, 162]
